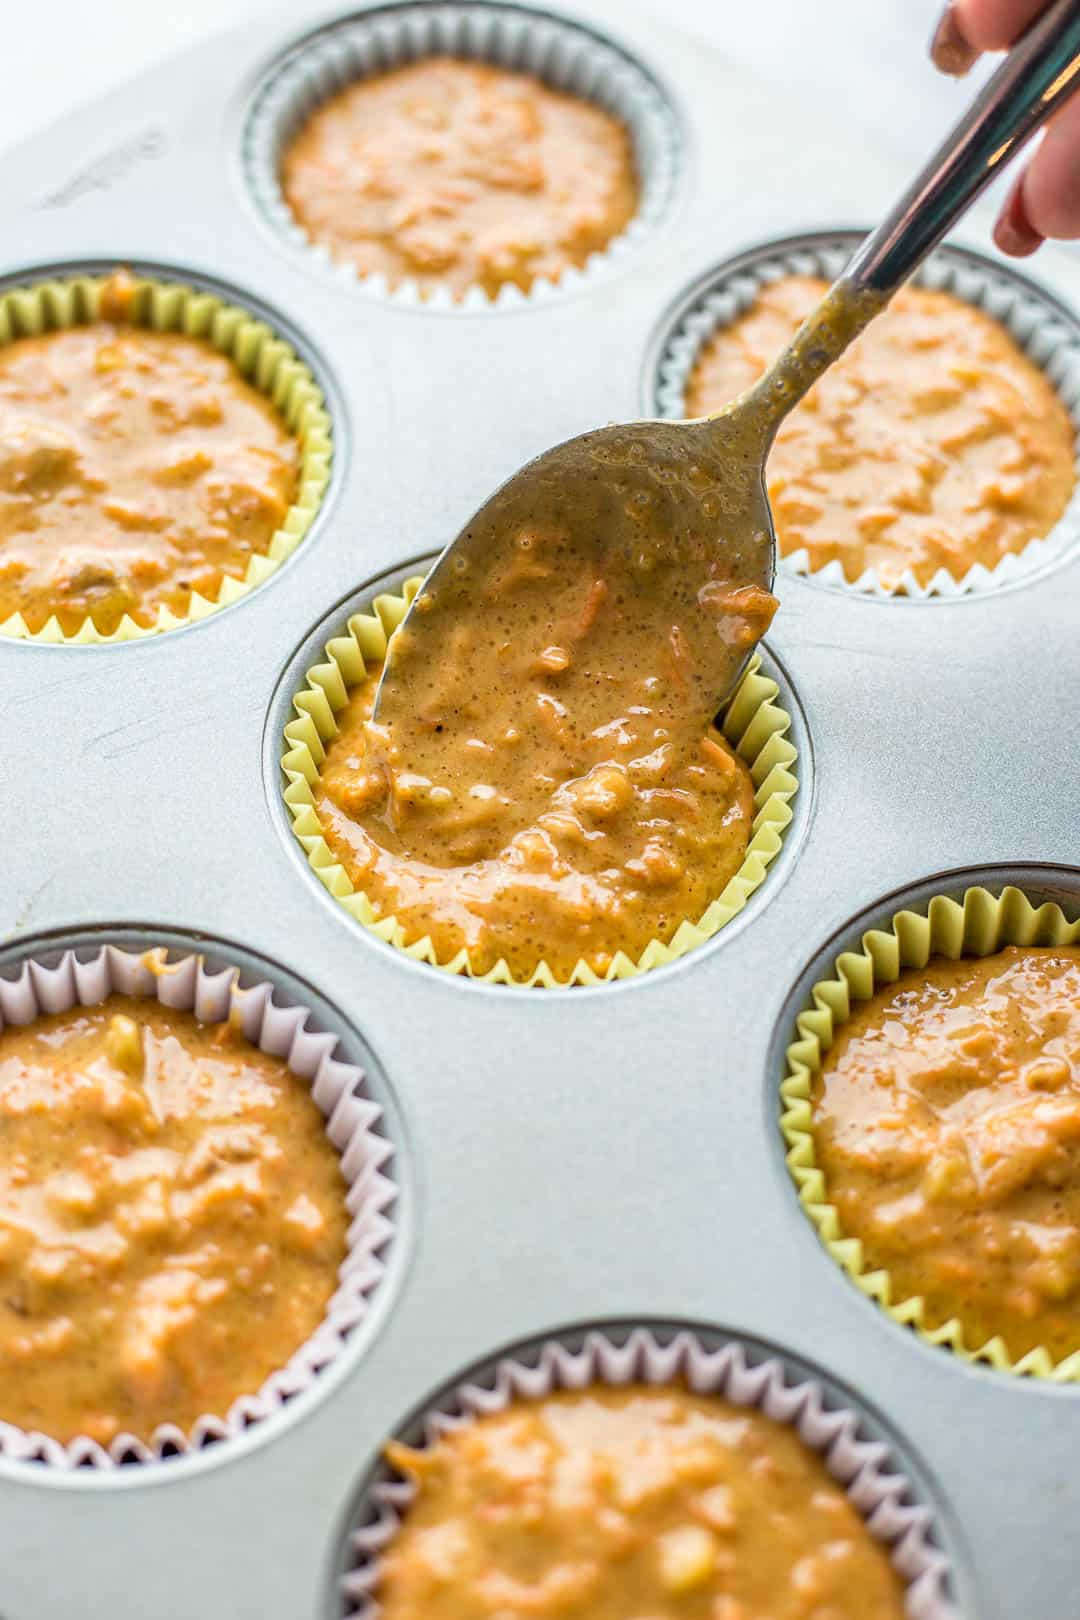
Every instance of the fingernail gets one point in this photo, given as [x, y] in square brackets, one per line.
[1014, 233]
[949, 49]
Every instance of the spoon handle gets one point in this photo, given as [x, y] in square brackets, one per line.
[1038, 74]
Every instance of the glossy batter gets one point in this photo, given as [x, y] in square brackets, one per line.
[947, 1122]
[172, 1219]
[630, 1504]
[135, 468]
[557, 797]
[457, 174]
[932, 443]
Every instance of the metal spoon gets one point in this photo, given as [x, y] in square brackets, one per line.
[708, 476]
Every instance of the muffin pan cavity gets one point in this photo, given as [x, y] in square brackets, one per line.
[1047, 333]
[567, 57]
[967, 916]
[344, 1082]
[39, 302]
[869, 1463]
[763, 723]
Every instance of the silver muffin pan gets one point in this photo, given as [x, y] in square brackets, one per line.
[565, 1158]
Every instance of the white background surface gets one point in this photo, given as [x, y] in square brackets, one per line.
[865, 59]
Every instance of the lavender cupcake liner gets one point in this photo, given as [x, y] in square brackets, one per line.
[865, 1467]
[352, 1125]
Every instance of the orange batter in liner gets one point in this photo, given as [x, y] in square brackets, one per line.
[933, 442]
[556, 797]
[617, 858]
[457, 174]
[136, 467]
[946, 1119]
[172, 1219]
[642, 1503]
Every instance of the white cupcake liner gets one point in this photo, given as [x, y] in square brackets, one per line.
[1036, 323]
[866, 1468]
[352, 1124]
[563, 55]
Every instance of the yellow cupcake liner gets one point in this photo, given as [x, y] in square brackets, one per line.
[976, 926]
[754, 724]
[263, 358]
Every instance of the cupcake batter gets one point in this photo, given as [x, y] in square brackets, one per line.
[172, 1219]
[136, 467]
[625, 845]
[932, 443]
[456, 174]
[947, 1123]
[616, 1504]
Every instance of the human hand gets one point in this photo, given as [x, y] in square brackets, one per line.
[1045, 199]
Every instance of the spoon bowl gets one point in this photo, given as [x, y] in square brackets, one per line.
[682, 505]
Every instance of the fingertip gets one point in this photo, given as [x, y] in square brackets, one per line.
[1015, 244]
[1014, 234]
[950, 49]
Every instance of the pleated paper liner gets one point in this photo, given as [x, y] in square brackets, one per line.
[865, 1467]
[266, 361]
[754, 724]
[553, 49]
[1037, 324]
[979, 925]
[353, 1125]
